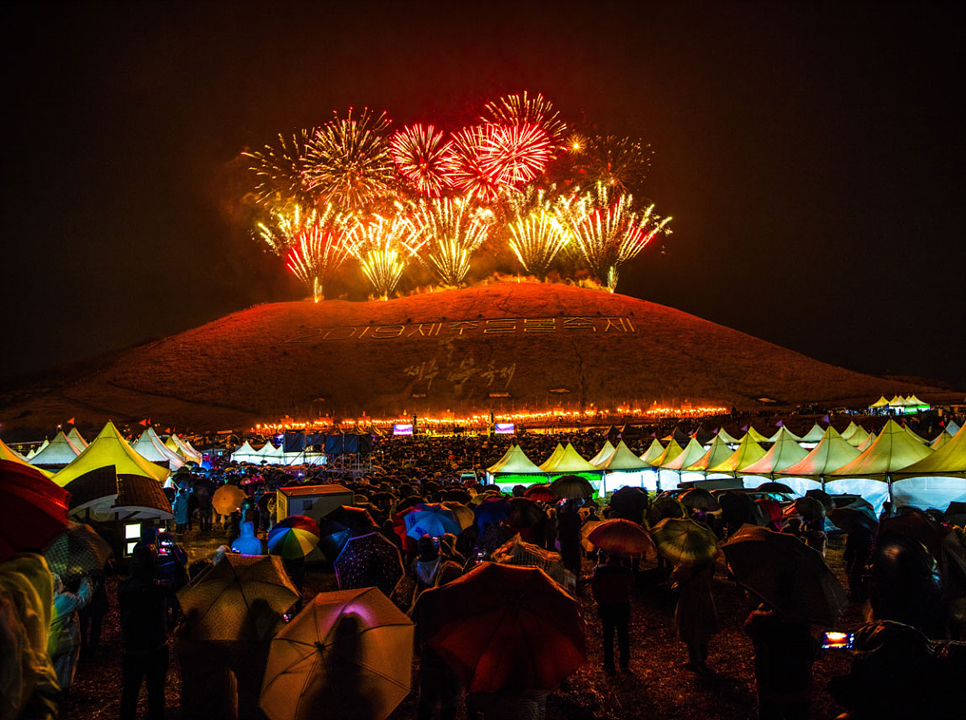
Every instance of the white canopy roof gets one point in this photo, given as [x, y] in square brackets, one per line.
[814, 435]
[747, 453]
[554, 456]
[150, 447]
[785, 452]
[693, 452]
[58, 453]
[570, 461]
[76, 439]
[831, 453]
[515, 462]
[605, 452]
[653, 452]
[717, 452]
[892, 450]
[623, 459]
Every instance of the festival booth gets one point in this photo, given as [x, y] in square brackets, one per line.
[151, 448]
[569, 462]
[936, 480]
[245, 454]
[870, 474]
[653, 452]
[785, 452]
[76, 439]
[809, 473]
[754, 435]
[554, 457]
[605, 452]
[748, 452]
[59, 453]
[670, 452]
[696, 472]
[269, 454]
[110, 448]
[514, 468]
[813, 437]
[623, 468]
[728, 438]
[176, 445]
[669, 474]
[8, 453]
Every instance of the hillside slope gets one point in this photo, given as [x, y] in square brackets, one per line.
[500, 347]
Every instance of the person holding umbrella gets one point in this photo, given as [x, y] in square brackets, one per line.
[63, 642]
[611, 586]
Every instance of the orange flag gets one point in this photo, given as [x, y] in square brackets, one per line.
[71, 421]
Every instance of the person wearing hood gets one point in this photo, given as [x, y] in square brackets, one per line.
[247, 543]
[180, 509]
[63, 642]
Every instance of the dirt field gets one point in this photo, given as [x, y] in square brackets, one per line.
[658, 687]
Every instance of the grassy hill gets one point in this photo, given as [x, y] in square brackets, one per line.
[500, 347]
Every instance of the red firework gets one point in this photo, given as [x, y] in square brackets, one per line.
[465, 168]
[515, 154]
[422, 158]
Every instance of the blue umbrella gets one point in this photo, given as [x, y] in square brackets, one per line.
[493, 511]
[431, 519]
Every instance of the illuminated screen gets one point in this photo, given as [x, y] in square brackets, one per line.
[132, 531]
[504, 429]
[405, 429]
[130, 547]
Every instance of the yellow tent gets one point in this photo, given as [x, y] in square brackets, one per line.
[7, 453]
[718, 452]
[786, 451]
[653, 452]
[747, 453]
[893, 449]
[554, 457]
[754, 435]
[110, 448]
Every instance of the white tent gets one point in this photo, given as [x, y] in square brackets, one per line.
[867, 443]
[813, 437]
[785, 452]
[784, 430]
[936, 480]
[717, 452]
[245, 453]
[624, 468]
[179, 446]
[76, 439]
[554, 456]
[33, 451]
[605, 452]
[59, 453]
[831, 453]
[669, 473]
[654, 451]
[857, 436]
[151, 448]
[513, 468]
[870, 473]
[754, 435]
[727, 437]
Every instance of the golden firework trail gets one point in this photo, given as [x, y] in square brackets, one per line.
[536, 239]
[384, 247]
[453, 231]
[526, 110]
[316, 253]
[278, 170]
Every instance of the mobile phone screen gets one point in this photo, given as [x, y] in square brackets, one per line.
[838, 640]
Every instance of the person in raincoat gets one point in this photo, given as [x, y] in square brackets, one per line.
[28, 681]
[247, 543]
[180, 509]
[695, 617]
[63, 642]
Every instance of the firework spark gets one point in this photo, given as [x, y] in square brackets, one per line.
[607, 232]
[453, 231]
[316, 253]
[278, 170]
[523, 110]
[286, 226]
[465, 169]
[620, 163]
[536, 239]
[384, 247]
[348, 161]
[422, 158]
[515, 154]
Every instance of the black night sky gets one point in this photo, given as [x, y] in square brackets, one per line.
[811, 154]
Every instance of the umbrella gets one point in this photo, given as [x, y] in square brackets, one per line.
[572, 487]
[505, 627]
[464, 515]
[347, 656]
[227, 499]
[775, 487]
[768, 510]
[786, 573]
[34, 509]
[666, 507]
[823, 497]
[684, 542]
[629, 502]
[699, 499]
[294, 537]
[77, 552]
[460, 496]
[491, 510]
[541, 492]
[810, 508]
[369, 561]
[524, 512]
[431, 519]
[848, 516]
[408, 502]
[241, 598]
[621, 537]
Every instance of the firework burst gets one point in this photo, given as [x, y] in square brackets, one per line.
[286, 226]
[422, 158]
[315, 254]
[514, 154]
[465, 168]
[620, 163]
[348, 161]
[536, 239]
[278, 170]
[384, 247]
[523, 110]
[453, 231]
[607, 232]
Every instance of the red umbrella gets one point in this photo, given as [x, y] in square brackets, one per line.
[34, 509]
[506, 627]
[541, 492]
[621, 537]
[770, 510]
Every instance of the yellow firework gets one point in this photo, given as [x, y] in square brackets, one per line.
[278, 170]
[285, 227]
[535, 240]
[525, 110]
[453, 231]
[315, 254]
[384, 247]
[348, 161]
[607, 232]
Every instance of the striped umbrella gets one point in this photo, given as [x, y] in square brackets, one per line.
[293, 538]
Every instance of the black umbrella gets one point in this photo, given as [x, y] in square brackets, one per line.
[823, 497]
[524, 512]
[629, 503]
[775, 487]
[369, 561]
[572, 487]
